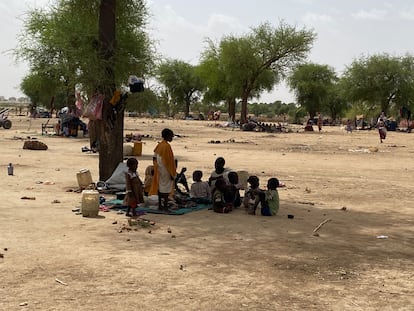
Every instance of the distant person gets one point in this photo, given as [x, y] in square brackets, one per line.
[165, 170]
[200, 191]
[134, 190]
[348, 126]
[382, 130]
[319, 122]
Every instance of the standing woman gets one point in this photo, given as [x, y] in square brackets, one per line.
[320, 121]
[164, 170]
[382, 130]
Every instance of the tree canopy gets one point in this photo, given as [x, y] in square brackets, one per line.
[182, 82]
[381, 82]
[313, 84]
[258, 60]
[94, 45]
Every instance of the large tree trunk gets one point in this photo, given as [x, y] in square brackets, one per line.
[232, 108]
[110, 128]
[243, 117]
[187, 109]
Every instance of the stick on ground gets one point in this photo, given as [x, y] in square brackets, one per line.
[320, 226]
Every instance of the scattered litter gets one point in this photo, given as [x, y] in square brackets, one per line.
[61, 282]
[315, 231]
[23, 304]
[343, 208]
[305, 202]
[104, 208]
[382, 236]
[76, 210]
[55, 201]
[28, 198]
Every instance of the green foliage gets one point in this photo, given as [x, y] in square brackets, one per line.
[141, 102]
[62, 43]
[243, 67]
[183, 84]
[380, 82]
[313, 85]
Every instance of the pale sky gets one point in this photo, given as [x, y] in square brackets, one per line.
[346, 29]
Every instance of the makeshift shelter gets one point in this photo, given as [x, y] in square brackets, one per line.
[117, 179]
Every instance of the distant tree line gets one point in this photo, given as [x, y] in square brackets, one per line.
[95, 45]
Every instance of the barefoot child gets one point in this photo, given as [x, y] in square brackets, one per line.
[134, 190]
[149, 174]
[219, 203]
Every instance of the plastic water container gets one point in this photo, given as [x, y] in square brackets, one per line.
[128, 150]
[84, 178]
[243, 176]
[137, 151]
[90, 203]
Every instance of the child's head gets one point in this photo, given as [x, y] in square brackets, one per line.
[197, 175]
[220, 184]
[149, 171]
[233, 178]
[272, 183]
[253, 181]
[219, 163]
[132, 164]
[167, 134]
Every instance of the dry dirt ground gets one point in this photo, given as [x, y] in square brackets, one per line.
[53, 259]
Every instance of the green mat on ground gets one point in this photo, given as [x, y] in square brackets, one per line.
[118, 205]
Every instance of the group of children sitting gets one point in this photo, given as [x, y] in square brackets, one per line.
[222, 190]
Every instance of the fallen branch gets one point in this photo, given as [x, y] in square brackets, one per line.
[61, 282]
[320, 226]
[304, 202]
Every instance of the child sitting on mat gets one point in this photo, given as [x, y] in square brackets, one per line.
[200, 190]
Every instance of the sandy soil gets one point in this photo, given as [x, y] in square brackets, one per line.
[212, 261]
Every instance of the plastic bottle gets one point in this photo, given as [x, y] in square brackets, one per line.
[10, 169]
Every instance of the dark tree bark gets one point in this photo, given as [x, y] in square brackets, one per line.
[232, 108]
[110, 128]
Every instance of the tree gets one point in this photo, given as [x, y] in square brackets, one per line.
[214, 78]
[312, 84]
[143, 101]
[257, 61]
[380, 82]
[96, 45]
[42, 90]
[183, 83]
